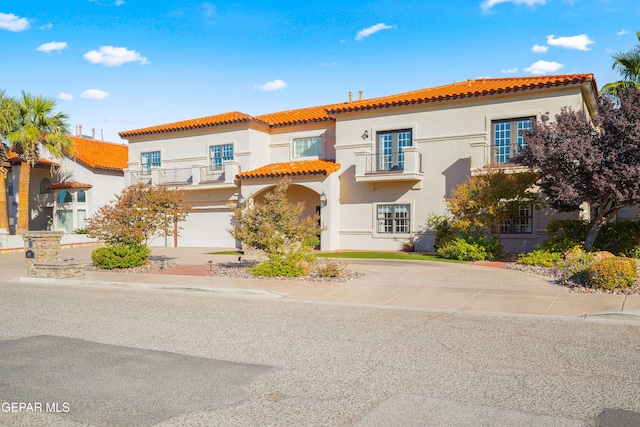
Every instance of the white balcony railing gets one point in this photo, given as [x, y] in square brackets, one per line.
[399, 166]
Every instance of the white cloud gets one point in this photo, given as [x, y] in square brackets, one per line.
[543, 67]
[488, 4]
[65, 96]
[11, 22]
[119, 3]
[49, 26]
[52, 46]
[94, 94]
[539, 49]
[623, 32]
[328, 64]
[272, 85]
[580, 42]
[372, 30]
[510, 71]
[111, 55]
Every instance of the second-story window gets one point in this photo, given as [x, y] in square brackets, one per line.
[219, 154]
[149, 160]
[307, 147]
[507, 138]
[390, 149]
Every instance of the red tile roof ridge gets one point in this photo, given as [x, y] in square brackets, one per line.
[297, 168]
[199, 122]
[67, 184]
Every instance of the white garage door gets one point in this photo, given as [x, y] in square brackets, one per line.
[207, 229]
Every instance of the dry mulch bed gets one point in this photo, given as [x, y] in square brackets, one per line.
[551, 273]
[236, 270]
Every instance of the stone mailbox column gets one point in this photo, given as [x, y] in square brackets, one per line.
[40, 247]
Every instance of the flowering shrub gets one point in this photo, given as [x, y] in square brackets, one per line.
[540, 258]
[612, 273]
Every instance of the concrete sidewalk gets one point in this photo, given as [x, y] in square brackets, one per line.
[394, 284]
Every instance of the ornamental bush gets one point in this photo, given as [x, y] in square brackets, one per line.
[120, 256]
[540, 258]
[613, 273]
[573, 269]
[289, 265]
[618, 237]
[462, 250]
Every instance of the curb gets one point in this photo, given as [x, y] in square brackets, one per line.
[89, 283]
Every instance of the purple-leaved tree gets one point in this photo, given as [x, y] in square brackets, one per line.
[597, 163]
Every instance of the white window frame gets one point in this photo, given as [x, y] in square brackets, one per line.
[394, 225]
[145, 167]
[514, 143]
[222, 157]
[319, 140]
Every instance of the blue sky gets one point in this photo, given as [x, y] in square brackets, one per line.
[116, 65]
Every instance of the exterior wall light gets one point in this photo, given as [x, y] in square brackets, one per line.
[323, 200]
[365, 134]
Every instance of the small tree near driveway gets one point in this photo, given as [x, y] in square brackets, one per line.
[597, 163]
[137, 214]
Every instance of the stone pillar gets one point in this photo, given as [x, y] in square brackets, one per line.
[40, 247]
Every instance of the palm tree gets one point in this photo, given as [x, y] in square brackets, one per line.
[628, 65]
[6, 113]
[35, 123]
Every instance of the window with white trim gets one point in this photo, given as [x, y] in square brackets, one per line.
[149, 160]
[507, 138]
[390, 149]
[307, 147]
[219, 154]
[393, 218]
[519, 223]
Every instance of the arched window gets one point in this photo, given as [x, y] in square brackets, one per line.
[43, 186]
[64, 197]
[81, 196]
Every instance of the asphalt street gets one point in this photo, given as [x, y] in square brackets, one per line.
[132, 356]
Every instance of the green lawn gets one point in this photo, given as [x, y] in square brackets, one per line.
[386, 255]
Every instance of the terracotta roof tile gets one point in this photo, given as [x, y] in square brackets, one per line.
[202, 122]
[16, 160]
[293, 117]
[71, 184]
[100, 154]
[466, 89]
[275, 170]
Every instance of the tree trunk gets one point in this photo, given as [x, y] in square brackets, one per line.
[23, 196]
[599, 221]
[4, 213]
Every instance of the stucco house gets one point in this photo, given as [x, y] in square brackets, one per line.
[64, 192]
[374, 169]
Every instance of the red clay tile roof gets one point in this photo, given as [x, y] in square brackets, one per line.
[202, 122]
[293, 117]
[275, 170]
[467, 89]
[100, 154]
[62, 185]
[16, 160]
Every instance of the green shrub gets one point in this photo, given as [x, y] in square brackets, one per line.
[492, 245]
[574, 268]
[618, 237]
[540, 258]
[444, 230]
[612, 273]
[565, 234]
[120, 256]
[289, 265]
[460, 249]
[634, 252]
[327, 267]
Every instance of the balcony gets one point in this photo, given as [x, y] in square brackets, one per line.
[196, 175]
[399, 166]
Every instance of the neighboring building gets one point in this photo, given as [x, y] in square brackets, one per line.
[374, 169]
[64, 192]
